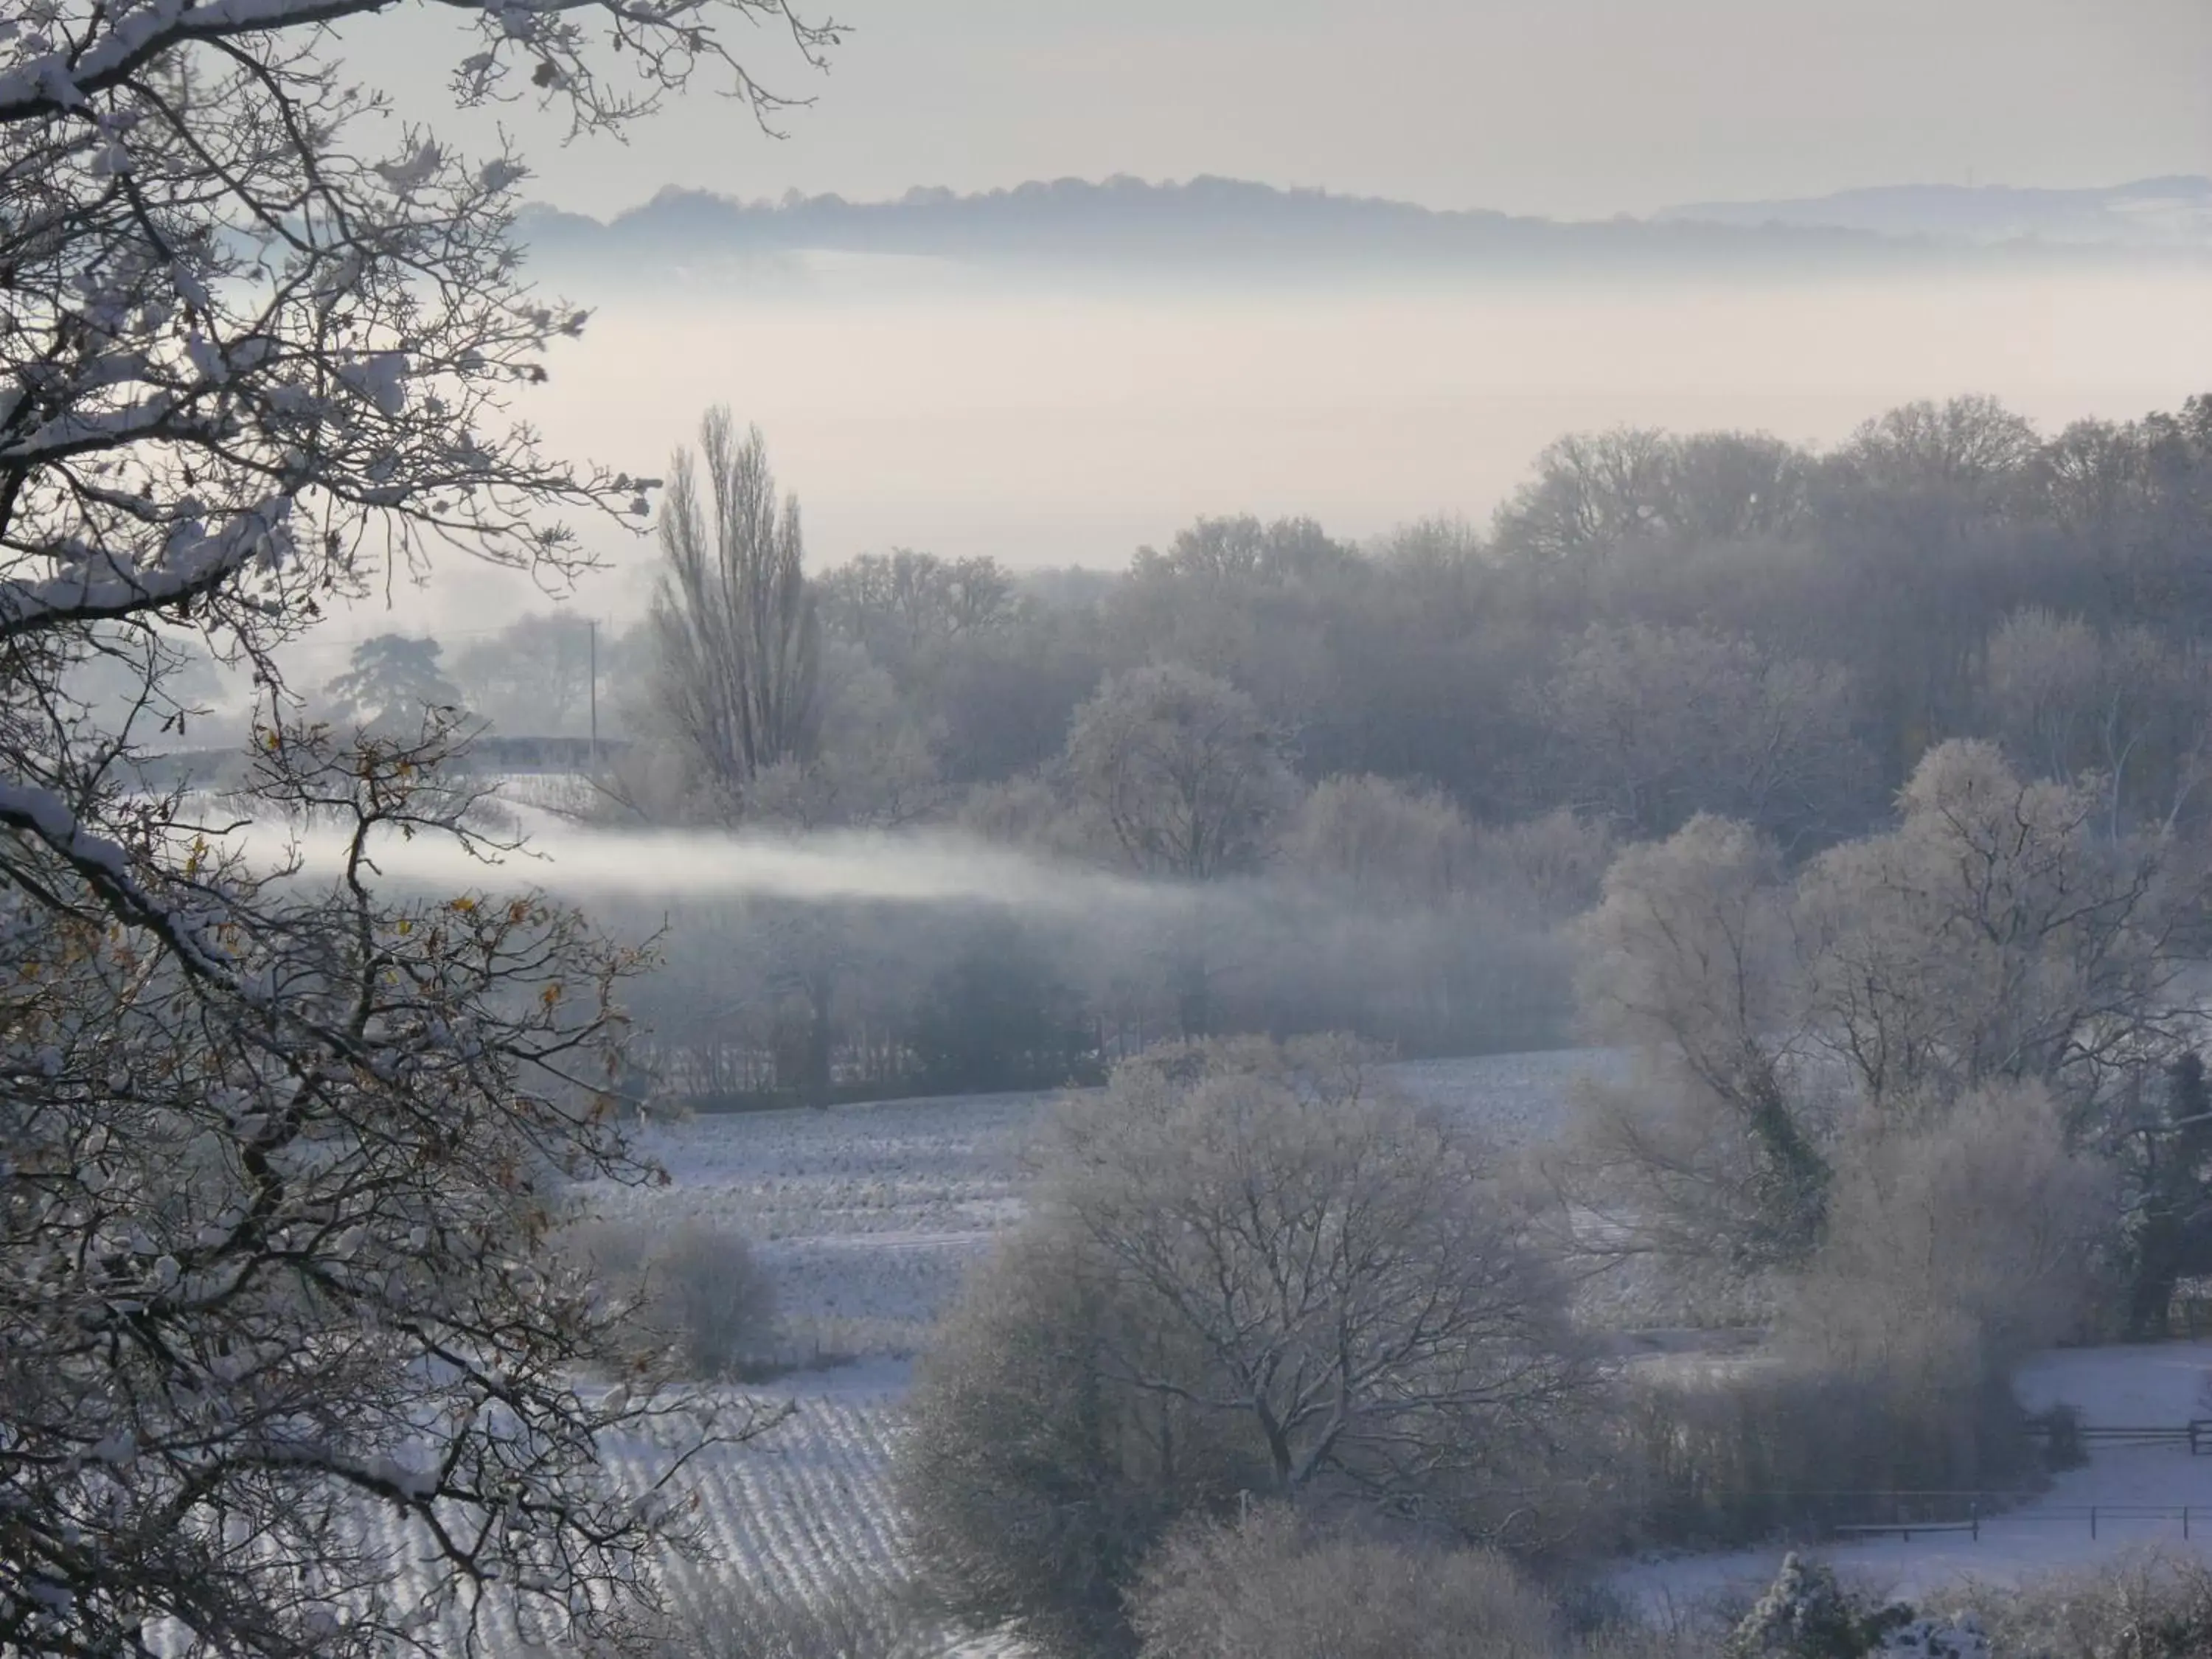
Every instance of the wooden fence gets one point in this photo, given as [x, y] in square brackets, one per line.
[2093, 1516]
[2196, 1434]
[1942, 1512]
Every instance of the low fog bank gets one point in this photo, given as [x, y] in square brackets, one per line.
[628, 869]
[1045, 428]
[861, 965]
[914, 411]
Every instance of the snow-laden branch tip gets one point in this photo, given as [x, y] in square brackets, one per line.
[102, 587]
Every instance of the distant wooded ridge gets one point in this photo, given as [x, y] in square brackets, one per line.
[1125, 220]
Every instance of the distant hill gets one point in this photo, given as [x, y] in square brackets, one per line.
[2150, 213]
[1125, 225]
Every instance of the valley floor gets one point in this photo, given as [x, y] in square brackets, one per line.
[865, 1217]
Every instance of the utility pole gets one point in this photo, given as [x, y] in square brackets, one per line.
[593, 625]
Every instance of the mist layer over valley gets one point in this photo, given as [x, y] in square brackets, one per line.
[947, 409]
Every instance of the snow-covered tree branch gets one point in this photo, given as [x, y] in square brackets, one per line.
[278, 1148]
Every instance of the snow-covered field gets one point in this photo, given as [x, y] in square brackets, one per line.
[866, 1217]
[803, 1511]
[863, 1217]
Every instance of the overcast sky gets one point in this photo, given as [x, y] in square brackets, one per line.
[1571, 107]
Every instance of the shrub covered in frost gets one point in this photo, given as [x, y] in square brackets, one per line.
[708, 1291]
[1805, 1614]
[697, 1288]
[1273, 1586]
[2147, 1605]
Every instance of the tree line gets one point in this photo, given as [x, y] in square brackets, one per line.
[1655, 626]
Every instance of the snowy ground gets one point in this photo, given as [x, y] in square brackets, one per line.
[866, 1217]
[2116, 1387]
[803, 1511]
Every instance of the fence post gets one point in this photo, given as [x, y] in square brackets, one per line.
[2184, 1523]
[1974, 1515]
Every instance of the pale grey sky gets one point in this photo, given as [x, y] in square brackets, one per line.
[1574, 108]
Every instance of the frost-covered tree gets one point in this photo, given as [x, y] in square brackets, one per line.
[1353, 1268]
[1805, 1614]
[1274, 1585]
[1596, 491]
[903, 606]
[1995, 938]
[1549, 868]
[1381, 838]
[1651, 724]
[737, 667]
[1689, 960]
[869, 764]
[275, 1152]
[1970, 440]
[1957, 1247]
[1182, 776]
[1181, 768]
[1996, 933]
[1592, 491]
[1252, 1269]
[2124, 705]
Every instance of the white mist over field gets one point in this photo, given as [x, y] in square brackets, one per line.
[669, 865]
[916, 410]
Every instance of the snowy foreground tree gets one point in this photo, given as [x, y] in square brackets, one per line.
[275, 1150]
[1250, 1271]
